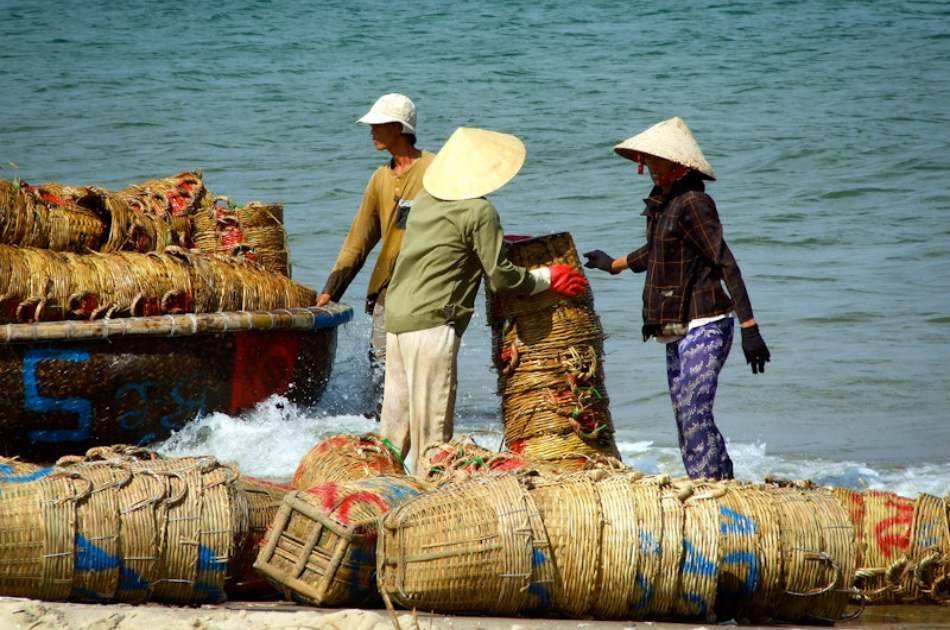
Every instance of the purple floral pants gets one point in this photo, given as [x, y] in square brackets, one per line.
[693, 364]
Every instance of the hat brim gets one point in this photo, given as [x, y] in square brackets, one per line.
[372, 118]
[473, 163]
[634, 156]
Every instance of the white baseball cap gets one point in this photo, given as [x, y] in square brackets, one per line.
[392, 108]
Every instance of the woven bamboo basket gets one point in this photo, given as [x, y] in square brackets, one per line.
[750, 562]
[173, 199]
[565, 448]
[256, 503]
[818, 555]
[347, 457]
[649, 518]
[43, 285]
[130, 228]
[47, 216]
[194, 512]
[321, 546]
[548, 350]
[263, 229]
[38, 536]
[885, 542]
[927, 574]
[699, 567]
[571, 511]
[463, 458]
[620, 547]
[13, 470]
[465, 547]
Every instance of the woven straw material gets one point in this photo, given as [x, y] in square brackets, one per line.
[699, 567]
[548, 350]
[263, 229]
[47, 217]
[465, 547]
[573, 518]
[927, 574]
[321, 547]
[888, 529]
[750, 561]
[463, 458]
[620, 547]
[565, 447]
[818, 553]
[256, 503]
[13, 470]
[347, 457]
[38, 536]
[130, 229]
[194, 515]
[649, 518]
[42, 285]
[171, 199]
[671, 140]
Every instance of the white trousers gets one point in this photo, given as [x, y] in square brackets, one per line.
[419, 394]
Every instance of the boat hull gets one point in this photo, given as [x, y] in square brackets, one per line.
[64, 395]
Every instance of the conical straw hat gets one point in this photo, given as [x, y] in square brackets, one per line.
[670, 140]
[473, 163]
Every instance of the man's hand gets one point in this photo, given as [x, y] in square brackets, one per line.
[323, 299]
[753, 346]
[567, 281]
[599, 259]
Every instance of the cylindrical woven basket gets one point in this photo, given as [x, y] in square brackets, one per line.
[886, 535]
[818, 553]
[699, 567]
[927, 574]
[573, 519]
[48, 216]
[465, 547]
[263, 228]
[347, 457]
[750, 562]
[256, 503]
[321, 546]
[38, 525]
[620, 547]
[548, 350]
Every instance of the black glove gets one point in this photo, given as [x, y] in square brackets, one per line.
[599, 259]
[753, 346]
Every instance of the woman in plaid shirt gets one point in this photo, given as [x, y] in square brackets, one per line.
[685, 306]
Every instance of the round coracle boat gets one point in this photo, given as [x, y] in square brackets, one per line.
[69, 385]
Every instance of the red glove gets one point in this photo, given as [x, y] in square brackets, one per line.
[567, 281]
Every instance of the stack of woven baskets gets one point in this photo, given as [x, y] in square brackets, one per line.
[78, 252]
[549, 350]
[44, 285]
[254, 231]
[120, 524]
[618, 546]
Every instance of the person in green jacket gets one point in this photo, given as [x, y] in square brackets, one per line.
[452, 238]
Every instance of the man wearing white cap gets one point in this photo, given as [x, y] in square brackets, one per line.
[382, 214]
[453, 237]
[687, 261]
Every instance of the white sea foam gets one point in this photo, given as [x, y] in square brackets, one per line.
[269, 440]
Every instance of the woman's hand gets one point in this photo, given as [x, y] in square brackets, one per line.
[599, 259]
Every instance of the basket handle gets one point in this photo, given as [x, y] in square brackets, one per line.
[824, 558]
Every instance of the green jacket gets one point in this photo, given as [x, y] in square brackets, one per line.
[447, 247]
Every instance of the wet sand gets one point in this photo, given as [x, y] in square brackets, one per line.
[28, 614]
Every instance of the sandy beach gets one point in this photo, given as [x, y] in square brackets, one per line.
[28, 614]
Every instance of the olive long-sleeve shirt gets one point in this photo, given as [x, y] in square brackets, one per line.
[447, 247]
[381, 217]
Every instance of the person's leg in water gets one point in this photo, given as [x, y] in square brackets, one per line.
[693, 365]
[377, 361]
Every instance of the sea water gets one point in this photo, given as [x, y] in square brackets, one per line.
[828, 125]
